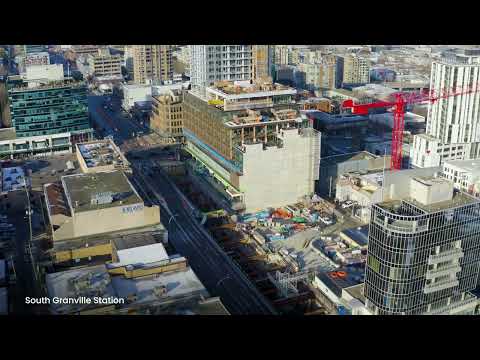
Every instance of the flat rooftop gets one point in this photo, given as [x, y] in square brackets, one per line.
[136, 86]
[13, 178]
[356, 292]
[358, 234]
[472, 166]
[175, 284]
[101, 153]
[354, 276]
[430, 181]
[7, 134]
[133, 240]
[83, 282]
[336, 159]
[66, 83]
[458, 199]
[212, 306]
[128, 238]
[110, 188]
[146, 254]
[96, 281]
[408, 84]
[244, 89]
[342, 92]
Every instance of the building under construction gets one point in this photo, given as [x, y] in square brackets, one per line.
[244, 138]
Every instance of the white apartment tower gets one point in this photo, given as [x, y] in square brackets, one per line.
[210, 63]
[453, 123]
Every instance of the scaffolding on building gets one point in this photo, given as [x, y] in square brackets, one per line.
[287, 284]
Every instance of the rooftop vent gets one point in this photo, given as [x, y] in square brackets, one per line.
[102, 198]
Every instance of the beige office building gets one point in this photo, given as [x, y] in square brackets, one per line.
[99, 203]
[261, 61]
[86, 49]
[152, 63]
[104, 64]
[167, 114]
[331, 71]
[356, 70]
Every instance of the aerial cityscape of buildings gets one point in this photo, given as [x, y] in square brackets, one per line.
[239, 179]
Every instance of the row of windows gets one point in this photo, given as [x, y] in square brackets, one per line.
[51, 131]
[81, 92]
[52, 124]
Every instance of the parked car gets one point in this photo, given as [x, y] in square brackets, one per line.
[347, 204]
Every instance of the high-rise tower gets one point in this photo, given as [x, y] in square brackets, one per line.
[453, 123]
[424, 251]
[210, 63]
[152, 63]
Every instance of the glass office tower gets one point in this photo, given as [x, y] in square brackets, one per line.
[29, 49]
[423, 259]
[54, 108]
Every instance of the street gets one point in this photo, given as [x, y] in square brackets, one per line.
[26, 283]
[125, 130]
[111, 120]
[214, 268]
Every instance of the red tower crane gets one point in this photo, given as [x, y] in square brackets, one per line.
[403, 99]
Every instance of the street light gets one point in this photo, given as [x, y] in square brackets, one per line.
[30, 228]
[222, 279]
[171, 218]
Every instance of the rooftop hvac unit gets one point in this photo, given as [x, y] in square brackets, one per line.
[160, 290]
[131, 298]
[102, 198]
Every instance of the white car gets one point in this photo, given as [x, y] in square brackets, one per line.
[347, 204]
[326, 220]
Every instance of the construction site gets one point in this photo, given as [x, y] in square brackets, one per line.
[241, 135]
[279, 248]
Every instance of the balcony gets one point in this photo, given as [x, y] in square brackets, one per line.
[430, 288]
[469, 301]
[402, 226]
[448, 255]
[451, 269]
[248, 105]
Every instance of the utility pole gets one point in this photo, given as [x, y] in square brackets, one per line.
[13, 266]
[330, 191]
[383, 180]
[30, 229]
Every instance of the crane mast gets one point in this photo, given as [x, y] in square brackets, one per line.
[402, 99]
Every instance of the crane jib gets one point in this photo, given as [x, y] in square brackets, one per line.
[399, 105]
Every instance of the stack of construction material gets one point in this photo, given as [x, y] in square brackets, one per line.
[275, 237]
[281, 213]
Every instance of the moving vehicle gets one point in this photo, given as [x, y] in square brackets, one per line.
[347, 204]
[326, 220]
